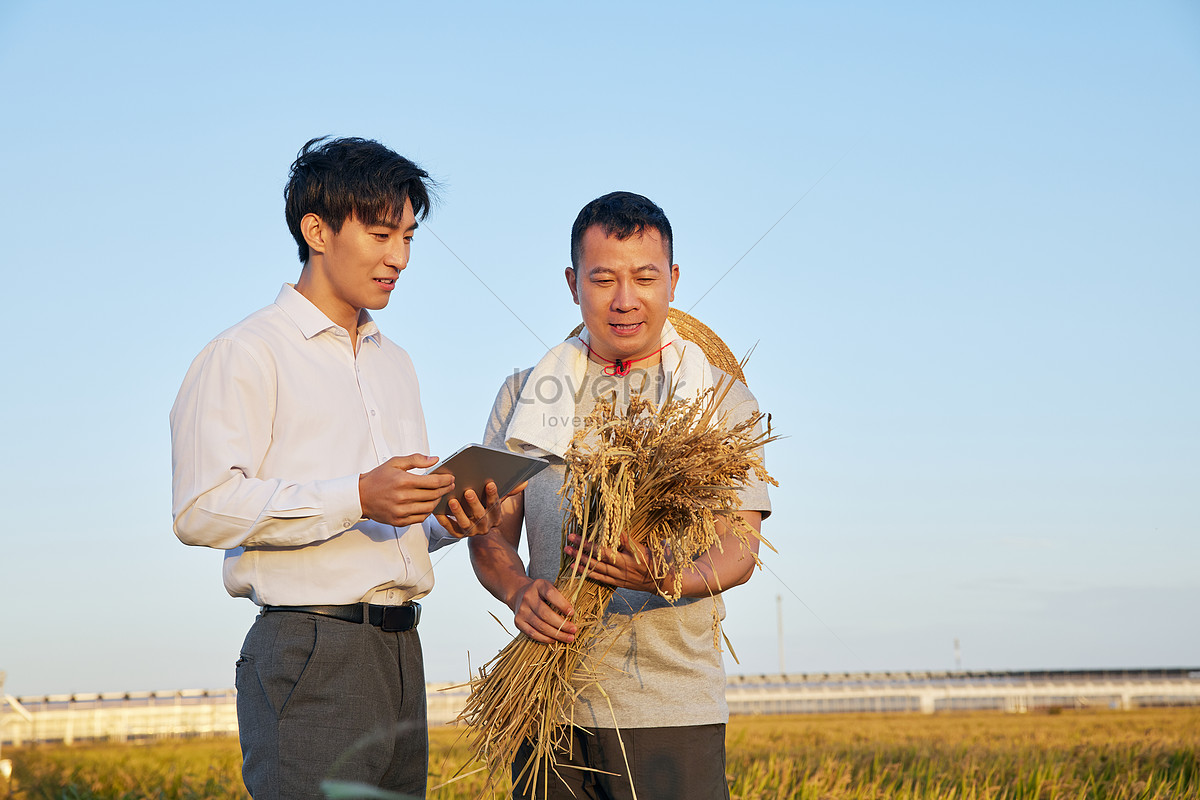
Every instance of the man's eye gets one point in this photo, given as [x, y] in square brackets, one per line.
[381, 237]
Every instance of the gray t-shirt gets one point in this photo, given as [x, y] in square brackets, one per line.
[660, 666]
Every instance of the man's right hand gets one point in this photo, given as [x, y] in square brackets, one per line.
[540, 612]
[394, 496]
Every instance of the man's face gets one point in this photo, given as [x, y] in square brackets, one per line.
[362, 262]
[623, 289]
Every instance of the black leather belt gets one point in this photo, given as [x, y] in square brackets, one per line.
[391, 619]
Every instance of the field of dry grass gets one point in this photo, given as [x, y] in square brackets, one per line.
[1146, 754]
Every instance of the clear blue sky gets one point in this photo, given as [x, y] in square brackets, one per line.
[977, 325]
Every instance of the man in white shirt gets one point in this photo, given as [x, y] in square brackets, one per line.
[293, 437]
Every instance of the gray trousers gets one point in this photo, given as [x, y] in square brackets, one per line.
[682, 763]
[319, 698]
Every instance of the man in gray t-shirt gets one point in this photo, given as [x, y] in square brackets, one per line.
[656, 719]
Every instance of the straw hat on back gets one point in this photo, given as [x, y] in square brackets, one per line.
[692, 329]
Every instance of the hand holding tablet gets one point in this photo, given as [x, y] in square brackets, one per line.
[474, 465]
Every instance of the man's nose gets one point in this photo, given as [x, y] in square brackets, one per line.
[398, 256]
[625, 297]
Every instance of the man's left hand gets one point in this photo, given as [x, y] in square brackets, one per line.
[627, 567]
[475, 518]
[472, 517]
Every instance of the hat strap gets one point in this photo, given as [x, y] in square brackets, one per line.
[619, 368]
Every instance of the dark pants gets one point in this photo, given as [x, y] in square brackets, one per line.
[319, 698]
[687, 763]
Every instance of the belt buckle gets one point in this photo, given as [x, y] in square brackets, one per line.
[397, 619]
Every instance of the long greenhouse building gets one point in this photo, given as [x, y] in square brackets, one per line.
[133, 716]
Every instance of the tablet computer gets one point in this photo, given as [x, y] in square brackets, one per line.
[474, 465]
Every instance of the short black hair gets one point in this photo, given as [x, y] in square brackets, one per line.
[621, 214]
[340, 178]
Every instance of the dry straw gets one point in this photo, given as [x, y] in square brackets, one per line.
[661, 475]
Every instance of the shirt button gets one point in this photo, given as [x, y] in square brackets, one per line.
[372, 412]
[347, 523]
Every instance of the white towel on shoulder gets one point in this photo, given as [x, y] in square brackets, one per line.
[684, 363]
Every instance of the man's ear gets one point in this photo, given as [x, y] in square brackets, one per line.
[315, 232]
[674, 281]
[571, 278]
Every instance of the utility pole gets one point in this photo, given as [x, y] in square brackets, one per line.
[779, 617]
[957, 656]
[5, 764]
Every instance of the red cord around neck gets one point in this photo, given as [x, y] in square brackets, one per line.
[619, 368]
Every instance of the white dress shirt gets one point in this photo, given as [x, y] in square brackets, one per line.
[274, 422]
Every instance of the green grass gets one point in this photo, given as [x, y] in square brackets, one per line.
[1103, 755]
[182, 769]
[1146, 754]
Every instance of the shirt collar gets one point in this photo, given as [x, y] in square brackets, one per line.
[312, 320]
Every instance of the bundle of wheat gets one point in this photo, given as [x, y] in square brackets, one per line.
[656, 479]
